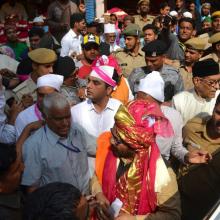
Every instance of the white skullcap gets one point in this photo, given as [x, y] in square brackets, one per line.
[153, 85]
[105, 73]
[52, 80]
[109, 28]
[38, 19]
[187, 14]
[173, 13]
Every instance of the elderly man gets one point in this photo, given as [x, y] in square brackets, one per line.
[131, 155]
[42, 64]
[45, 85]
[206, 89]
[194, 51]
[151, 88]
[110, 37]
[155, 61]
[96, 114]
[201, 132]
[131, 56]
[57, 151]
[143, 18]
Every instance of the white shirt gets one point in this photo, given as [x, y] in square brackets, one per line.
[7, 131]
[24, 118]
[189, 104]
[70, 43]
[95, 123]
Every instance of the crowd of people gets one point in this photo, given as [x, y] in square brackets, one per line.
[116, 119]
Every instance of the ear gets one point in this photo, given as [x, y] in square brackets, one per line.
[109, 90]
[196, 81]
[193, 33]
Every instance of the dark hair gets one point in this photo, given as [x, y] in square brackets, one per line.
[189, 20]
[7, 156]
[54, 201]
[163, 5]
[92, 24]
[36, 31]
[114, 15]
[129, 18]
[76, 17]
[152, 27]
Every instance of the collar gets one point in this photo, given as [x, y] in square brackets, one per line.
[52, 137]
[144, 19]
[110, 105]
[73, 34]
[199, 98]
[140, 53]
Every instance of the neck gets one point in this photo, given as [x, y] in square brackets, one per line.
[34, 76]
[76, 31]
[100, 104]
[143, 14]
[189, 66]
[135, 51]
[89, 62]
[210, 130]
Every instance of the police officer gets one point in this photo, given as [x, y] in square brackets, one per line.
[215, 55]
[42, 64]
[131, 57]
[155, 58]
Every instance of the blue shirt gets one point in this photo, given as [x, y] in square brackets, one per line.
[47, 160]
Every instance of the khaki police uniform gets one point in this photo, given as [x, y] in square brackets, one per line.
[127, 59]
[39, 56]
[141, 22]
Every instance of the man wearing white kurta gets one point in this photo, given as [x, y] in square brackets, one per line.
[45, 85]
[202, 98]
[96, 114]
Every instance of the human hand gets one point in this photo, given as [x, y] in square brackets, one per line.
[102, 209]
[198, 156]
[15, 109]
[35, 125]
[27, 100]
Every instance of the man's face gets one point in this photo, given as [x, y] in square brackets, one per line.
[185, 31]
[34, 42]
[179, 4]
[110, 38]
[149, 35]
[92, 30]
[91, 52]
[97, 90]
[118, 147]
[41, 92]
[165, 11]
[191, 56]
[206, 10]
[11, 35]
[154, 63]
[59, 120]
[206, 87]
[206, 24]
[131, 42]
[144, 7]
[216, 25]
[43, 69]
[113, 19]
[81, 26]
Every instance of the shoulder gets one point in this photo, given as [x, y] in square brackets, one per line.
[170, 112]
[25, 112]
[80, 106]
[183, 94]
[169, 69]
[21, 86]
[115, 102]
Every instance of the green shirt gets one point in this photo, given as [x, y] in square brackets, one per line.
[18, 49]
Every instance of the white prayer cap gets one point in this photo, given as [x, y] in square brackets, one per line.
[173, 13]
[52, 80]
[109, 28]
[153, 85]
[104, 73]
[187, 14]
[38, 19]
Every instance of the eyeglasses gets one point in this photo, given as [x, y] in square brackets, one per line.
[211, 83]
